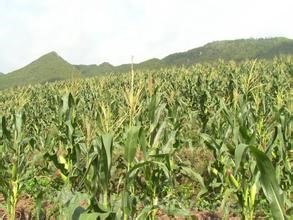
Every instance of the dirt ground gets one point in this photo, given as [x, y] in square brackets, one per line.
[24, 207]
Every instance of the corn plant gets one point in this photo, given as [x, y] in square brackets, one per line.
[15, 161]
[246, 167]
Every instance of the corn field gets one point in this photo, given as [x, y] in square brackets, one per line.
[176, 142]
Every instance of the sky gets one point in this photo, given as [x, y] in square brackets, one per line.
[96, 31]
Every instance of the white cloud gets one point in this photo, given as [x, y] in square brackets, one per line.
[93, 31]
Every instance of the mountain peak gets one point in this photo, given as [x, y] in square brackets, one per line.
[51, 54]
[48, 68]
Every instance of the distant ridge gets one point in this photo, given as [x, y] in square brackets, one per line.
[242, 49]
[93, 69]
[52, 67]
[237, 50]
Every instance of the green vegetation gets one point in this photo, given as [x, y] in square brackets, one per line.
[51, 67]
[173, 142]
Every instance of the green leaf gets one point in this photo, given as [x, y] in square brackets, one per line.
[196, 177]
[131, 143]
[171, 209]
[163, 167]
[89, 216]
[95, 216]
[72, 208]
[18, 124]
[144, 213]
[107, 143]
[132, 172]
[211, 143]
[3, 129]
[158, 135]
[54, 158]
[272, 141]
[239, 152]
[143, 142]
[136, 167]
[269, 183]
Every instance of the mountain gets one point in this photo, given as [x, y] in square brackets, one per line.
[237, 50]
[52, 67]
[48, 68]
[1, 74]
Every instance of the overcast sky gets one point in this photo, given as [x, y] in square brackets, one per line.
[94, 31]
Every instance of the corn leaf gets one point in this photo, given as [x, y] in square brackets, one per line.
[269, 183]
[131, 143]
[239, 152]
